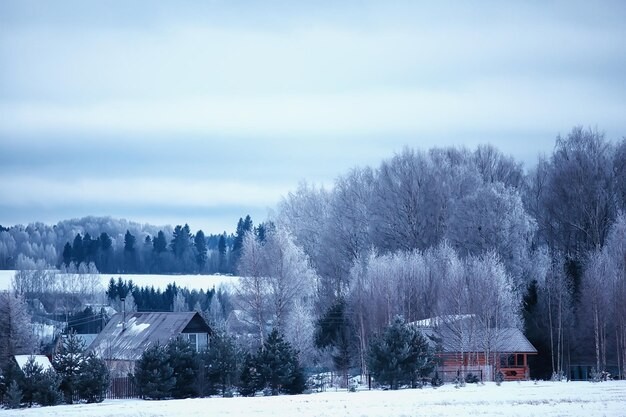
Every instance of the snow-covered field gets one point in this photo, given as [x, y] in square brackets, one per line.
[158, 281]
[511, 399]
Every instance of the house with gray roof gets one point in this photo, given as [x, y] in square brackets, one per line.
[464, 345]
[126, 336]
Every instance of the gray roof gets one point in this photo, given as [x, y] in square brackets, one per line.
[464, 334]
[143, 330]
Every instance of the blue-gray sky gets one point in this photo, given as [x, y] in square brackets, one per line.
[201, 112]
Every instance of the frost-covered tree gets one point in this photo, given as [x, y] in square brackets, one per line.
[275, 274]
[253, 289]
[16, 334]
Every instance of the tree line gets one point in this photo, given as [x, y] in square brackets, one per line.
[453, 231]
[448, 231]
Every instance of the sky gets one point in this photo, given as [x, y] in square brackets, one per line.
[203, 112]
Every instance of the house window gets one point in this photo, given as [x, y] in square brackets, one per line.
[198, 340]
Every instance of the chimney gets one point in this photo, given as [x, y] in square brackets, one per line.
[123, 300]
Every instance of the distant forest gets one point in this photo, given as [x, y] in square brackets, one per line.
[120, 246]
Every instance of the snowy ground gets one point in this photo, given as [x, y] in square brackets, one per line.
[197, 282]
[511, 399]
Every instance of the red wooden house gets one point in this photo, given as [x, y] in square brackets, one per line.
[465, 346]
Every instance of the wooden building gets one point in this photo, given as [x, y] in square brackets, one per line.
[465, 346]
[124, 339]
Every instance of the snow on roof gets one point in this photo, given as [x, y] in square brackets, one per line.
[440, 320]
[119, 341]
[40, 360]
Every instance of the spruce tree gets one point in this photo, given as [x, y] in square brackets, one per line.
[93, 380]
[154, 375]
[67, 254]
[68, 364]
[400, 355]
[13, 398]
[278, 365]
[199, 242]
[77, 249]
[221, 249]
[221, 361]
[250, 380]
[185, 364]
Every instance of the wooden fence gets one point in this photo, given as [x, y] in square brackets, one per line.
[121, 388]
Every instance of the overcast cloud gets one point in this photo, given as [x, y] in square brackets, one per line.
[202, 112]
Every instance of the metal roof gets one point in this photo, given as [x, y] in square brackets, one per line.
[142, 330]
[463, 333]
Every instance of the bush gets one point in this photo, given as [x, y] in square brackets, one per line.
[499, 378]
[472, 379]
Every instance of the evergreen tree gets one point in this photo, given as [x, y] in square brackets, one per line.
[68, 365]
[130, 255]
[14, 396]
[400, 355]
[159, 243]
[39, 386]
[185, 363]
[250, 381]
[221, 361]
[67, 254]
[77, 249]
[10, 373]
[243, 226]
[278, 365]
[334, 332]
[159, 248]
[153, 373]
[106, 249]
[93, 379]
[199, 242]
[221, 249]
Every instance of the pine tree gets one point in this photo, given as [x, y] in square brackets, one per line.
[221, 249]
[77, 249]
[278, 365]
[250, 380]
[68, 364]
[333, 332]
[154, 375]
[185, 363]
[221, 361]
[67, 254]
[130, 255]
[400, 355]
[199, 242]
[93, 380]
[14, 396]
[39, 386]
[243, 226]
